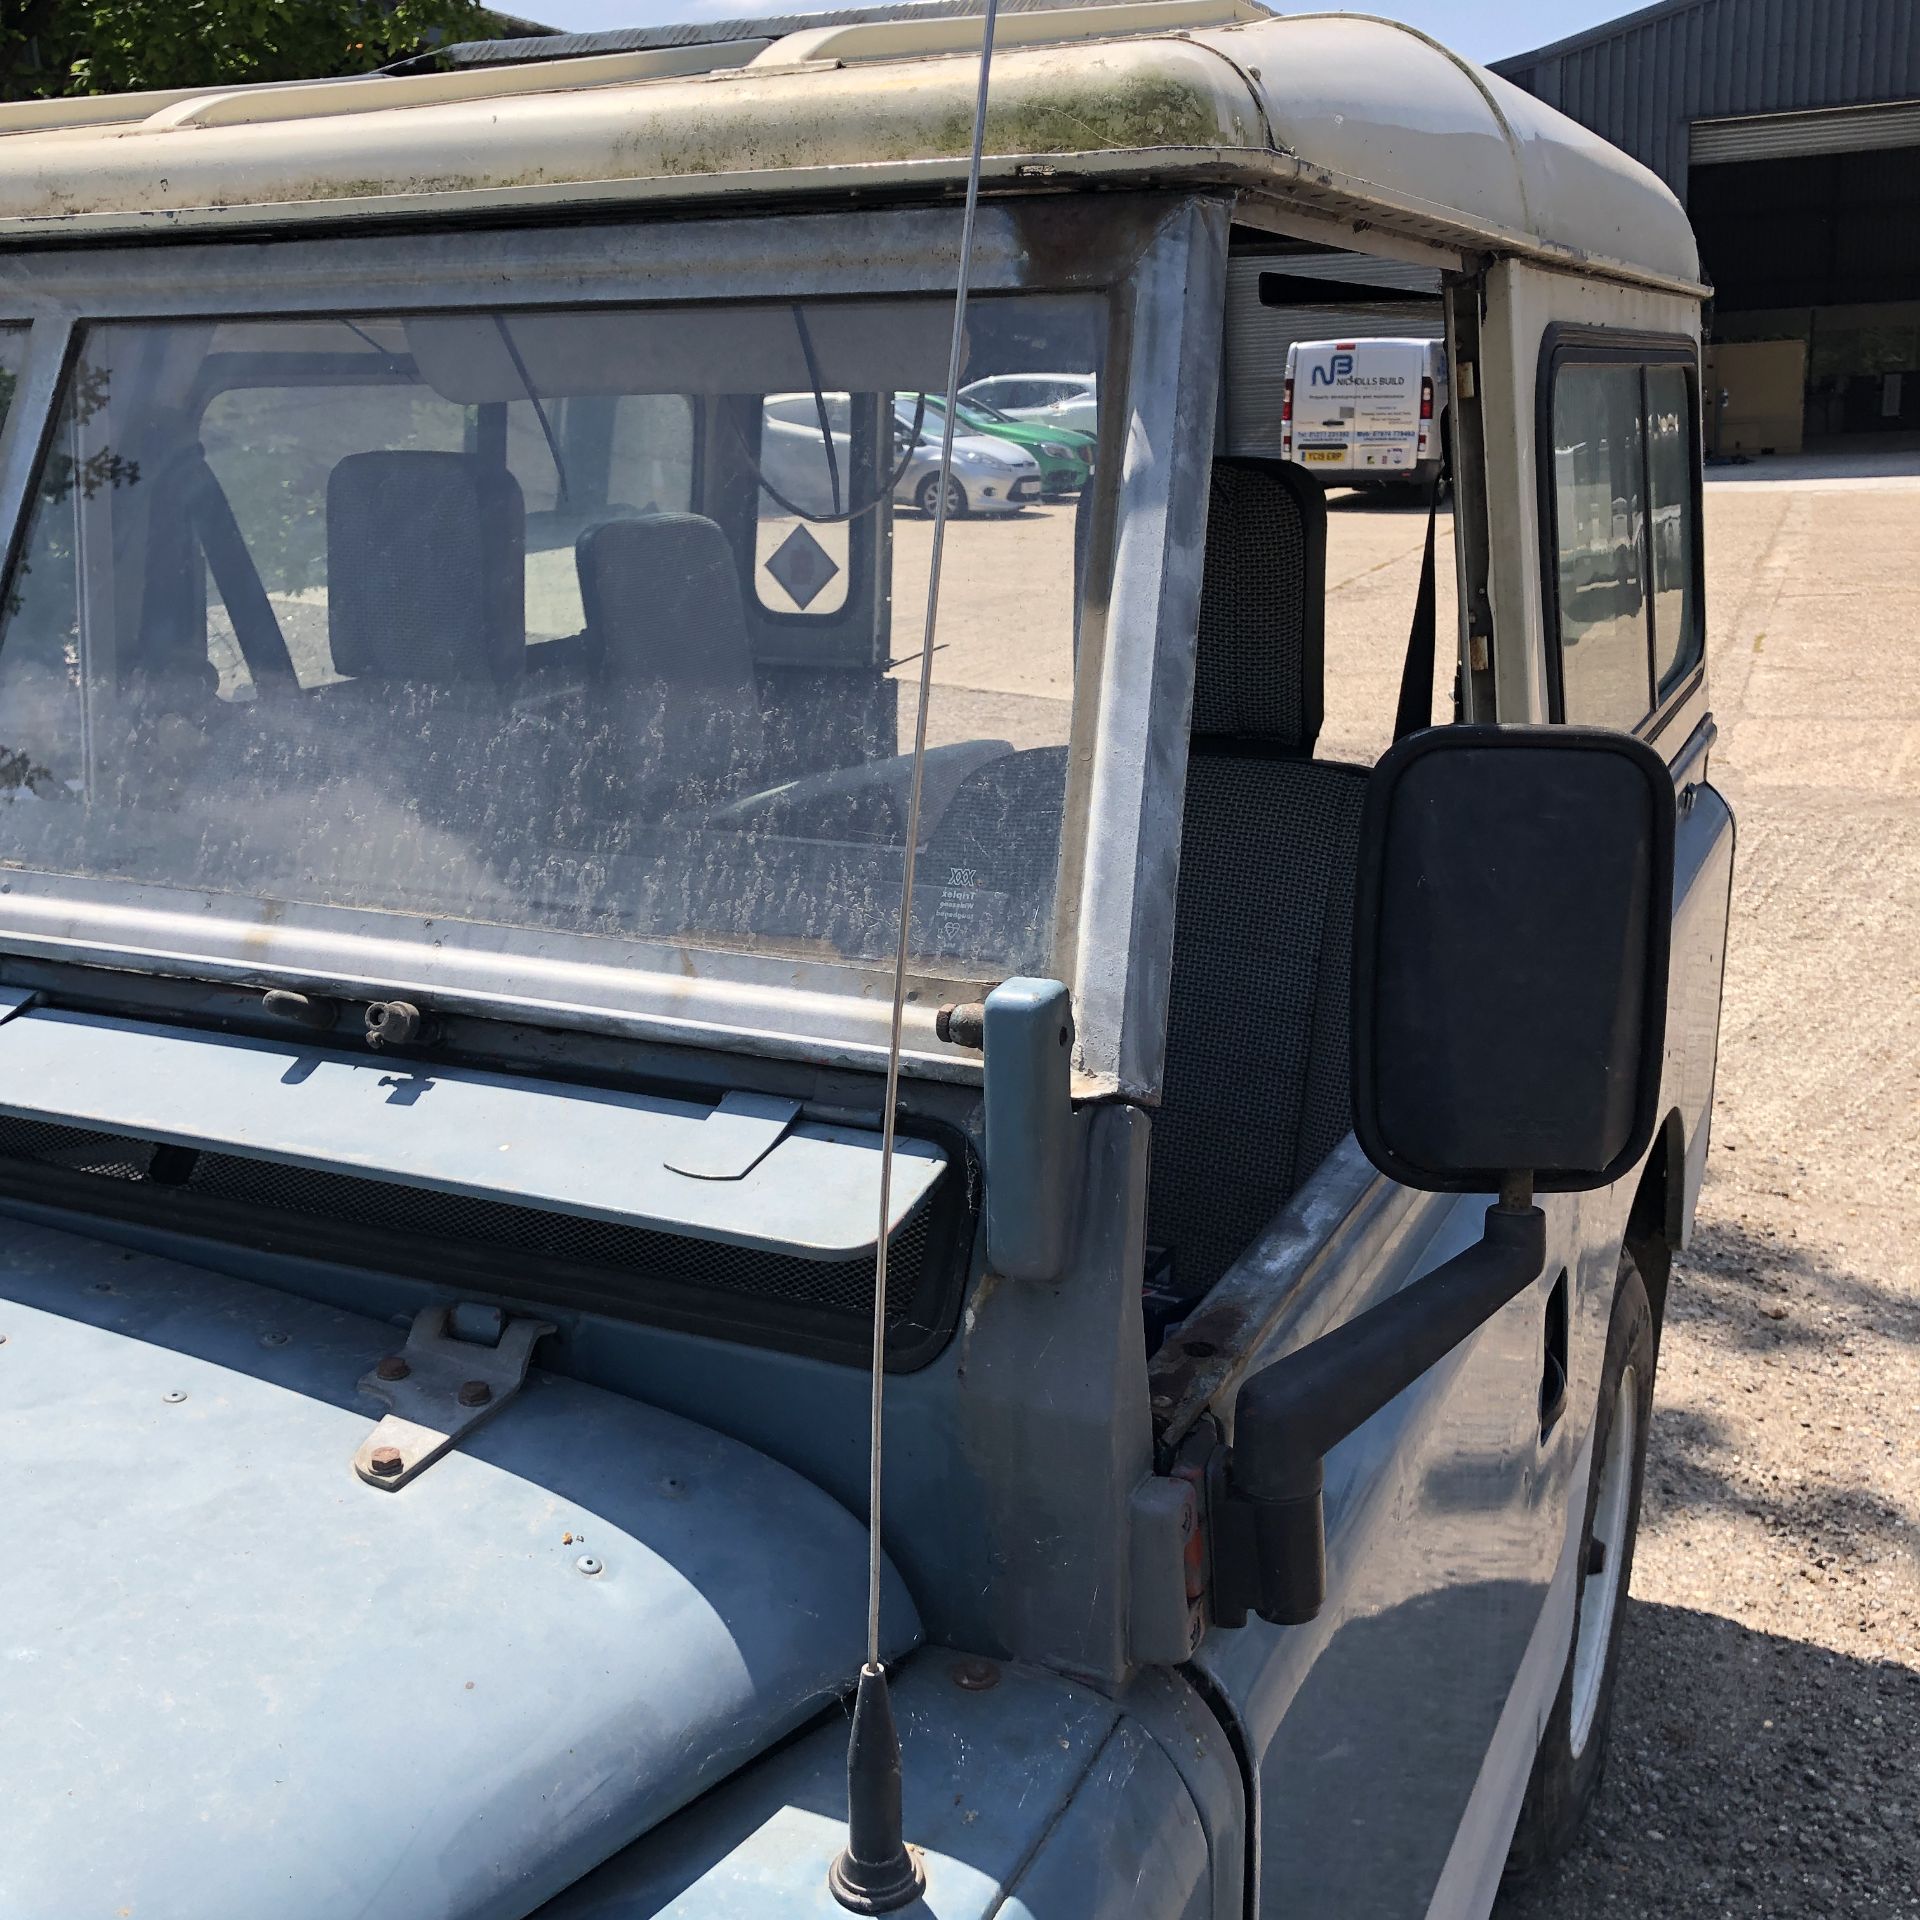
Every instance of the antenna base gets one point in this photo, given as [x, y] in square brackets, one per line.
[861, 1888]
[877, 1872]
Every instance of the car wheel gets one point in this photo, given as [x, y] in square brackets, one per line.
[1572, 1751]
[927, 494]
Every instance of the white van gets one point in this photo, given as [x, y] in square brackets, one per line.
[1364, 411]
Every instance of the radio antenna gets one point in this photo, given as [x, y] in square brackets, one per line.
[876, 1872]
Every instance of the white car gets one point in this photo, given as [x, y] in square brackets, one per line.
[989, 475]
[1056, 399]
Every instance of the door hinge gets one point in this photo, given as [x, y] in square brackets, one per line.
[439, 1386]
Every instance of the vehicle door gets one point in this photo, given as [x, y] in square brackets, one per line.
[1395, 1733]
[1626, 648]
[1392, 1735]
[1390, 1738]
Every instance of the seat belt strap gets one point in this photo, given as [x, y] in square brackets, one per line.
[1416, 677]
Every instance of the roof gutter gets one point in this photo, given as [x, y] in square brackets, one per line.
[1356, 204]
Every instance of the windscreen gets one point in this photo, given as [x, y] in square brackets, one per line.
[579, 622]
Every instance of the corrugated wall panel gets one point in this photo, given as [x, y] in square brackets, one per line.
[1770, 136]
[1642, 84]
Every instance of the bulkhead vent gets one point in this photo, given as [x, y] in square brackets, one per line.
[526, 1253]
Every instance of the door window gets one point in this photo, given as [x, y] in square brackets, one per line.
[1673, 531]
[1599, 509]
[1625, 536]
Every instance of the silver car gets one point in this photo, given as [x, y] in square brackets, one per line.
[989, 476]
[1041, 399]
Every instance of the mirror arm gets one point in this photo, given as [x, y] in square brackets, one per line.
[1268, 1529]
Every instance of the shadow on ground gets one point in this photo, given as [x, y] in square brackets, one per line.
[1741, 1274]
[1747, 1775]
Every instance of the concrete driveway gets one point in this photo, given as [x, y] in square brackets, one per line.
[1766, 1746]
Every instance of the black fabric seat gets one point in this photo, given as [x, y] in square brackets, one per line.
[1256, 1089]
[426, 569]
[669, 659]
[426, 619]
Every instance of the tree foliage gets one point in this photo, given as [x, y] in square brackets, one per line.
[50, 48]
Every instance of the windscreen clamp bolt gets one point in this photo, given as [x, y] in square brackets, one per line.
[963, 1024]
[396, 1023]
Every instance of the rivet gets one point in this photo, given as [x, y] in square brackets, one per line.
[101, 1286]
[976, 1676]
[275, 1339]
[586, 1564]
[174, 1398]
[475, 1393]
[391, 1367]
[385, 1461]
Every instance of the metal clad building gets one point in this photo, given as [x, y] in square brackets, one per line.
[1791, 128]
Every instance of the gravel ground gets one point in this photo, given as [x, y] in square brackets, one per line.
[1766, 1740]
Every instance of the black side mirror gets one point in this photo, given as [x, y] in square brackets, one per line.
[1510, 957]
[1509, 1019]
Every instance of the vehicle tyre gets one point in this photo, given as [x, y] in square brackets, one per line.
[1573, 1748]
[927, 494]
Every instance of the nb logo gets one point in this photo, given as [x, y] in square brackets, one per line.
[1338, 368]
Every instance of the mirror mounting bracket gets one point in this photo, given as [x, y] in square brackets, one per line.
[1266, 1525]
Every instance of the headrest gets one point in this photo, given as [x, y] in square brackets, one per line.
[426, 568]
[1260, 664]
[661, 594]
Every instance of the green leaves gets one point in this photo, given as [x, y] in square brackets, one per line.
[51, 48]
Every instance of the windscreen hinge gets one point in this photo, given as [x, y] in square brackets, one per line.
[438, 1388]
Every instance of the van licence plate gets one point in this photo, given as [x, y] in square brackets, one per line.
[1323, 454]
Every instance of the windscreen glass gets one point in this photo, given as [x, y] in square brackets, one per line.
[598, 623]
[13, 356]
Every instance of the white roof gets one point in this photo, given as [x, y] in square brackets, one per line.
[1353, 117]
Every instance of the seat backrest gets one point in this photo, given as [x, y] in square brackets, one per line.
[426, 568]
[665, 621]
[1256, 1087]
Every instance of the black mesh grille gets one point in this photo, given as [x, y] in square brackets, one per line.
[108, 1154]
[452, 1222]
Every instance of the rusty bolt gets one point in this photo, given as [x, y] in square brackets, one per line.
[392, 1367]
[386, 1461]
[976, 1676]
[475, 1393]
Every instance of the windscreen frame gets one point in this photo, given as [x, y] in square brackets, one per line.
[1138, 256]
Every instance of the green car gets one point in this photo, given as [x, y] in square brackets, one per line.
[1065, 454]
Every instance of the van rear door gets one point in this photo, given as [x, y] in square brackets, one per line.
[1356, 404]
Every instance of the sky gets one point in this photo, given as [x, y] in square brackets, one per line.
[1481, 29]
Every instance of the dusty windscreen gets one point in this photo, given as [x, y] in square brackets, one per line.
[599, 623]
